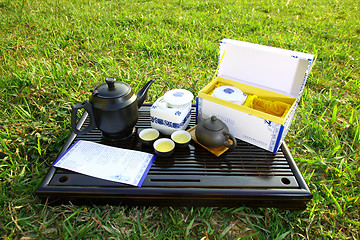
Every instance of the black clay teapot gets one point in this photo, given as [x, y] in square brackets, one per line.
[212, 132]
[113, 108]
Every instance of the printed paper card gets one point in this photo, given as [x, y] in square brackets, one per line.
[106, 162]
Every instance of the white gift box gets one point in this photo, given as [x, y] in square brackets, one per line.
[270, 73]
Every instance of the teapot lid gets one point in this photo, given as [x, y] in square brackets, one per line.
[213, 124]
[112, 89]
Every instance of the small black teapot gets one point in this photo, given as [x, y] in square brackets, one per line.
[113, 108]
[212, 132]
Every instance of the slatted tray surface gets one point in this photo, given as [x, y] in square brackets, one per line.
[192, 176]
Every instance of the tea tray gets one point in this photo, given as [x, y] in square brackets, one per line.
[246, 175]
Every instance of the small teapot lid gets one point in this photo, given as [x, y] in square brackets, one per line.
[111, 89]
[213, 124]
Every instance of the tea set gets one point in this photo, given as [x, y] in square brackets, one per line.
[113, 109]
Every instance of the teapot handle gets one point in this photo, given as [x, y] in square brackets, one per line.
[227, 144]
[88, 107]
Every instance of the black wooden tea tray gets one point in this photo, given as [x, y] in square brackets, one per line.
[246, 175]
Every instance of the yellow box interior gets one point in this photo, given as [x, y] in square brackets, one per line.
[249, 90]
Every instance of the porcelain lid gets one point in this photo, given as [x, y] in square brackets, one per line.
[177, 97]
[229, 93]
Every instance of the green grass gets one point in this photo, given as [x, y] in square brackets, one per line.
[54, 52]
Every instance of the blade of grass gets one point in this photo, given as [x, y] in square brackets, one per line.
[334, 115]
[74, 213]
[283, 236]
[227, 229]
[188, 228]
[334, 200]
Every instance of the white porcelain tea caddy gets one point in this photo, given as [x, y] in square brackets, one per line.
[172, 111]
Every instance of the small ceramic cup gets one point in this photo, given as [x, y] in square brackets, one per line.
[164, 147]
[181, 138]
[148, 136]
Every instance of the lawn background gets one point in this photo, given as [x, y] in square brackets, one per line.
[53, 52]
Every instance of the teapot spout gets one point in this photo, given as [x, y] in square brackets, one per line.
[141, 96]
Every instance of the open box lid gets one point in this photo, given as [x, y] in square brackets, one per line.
[274, 69]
